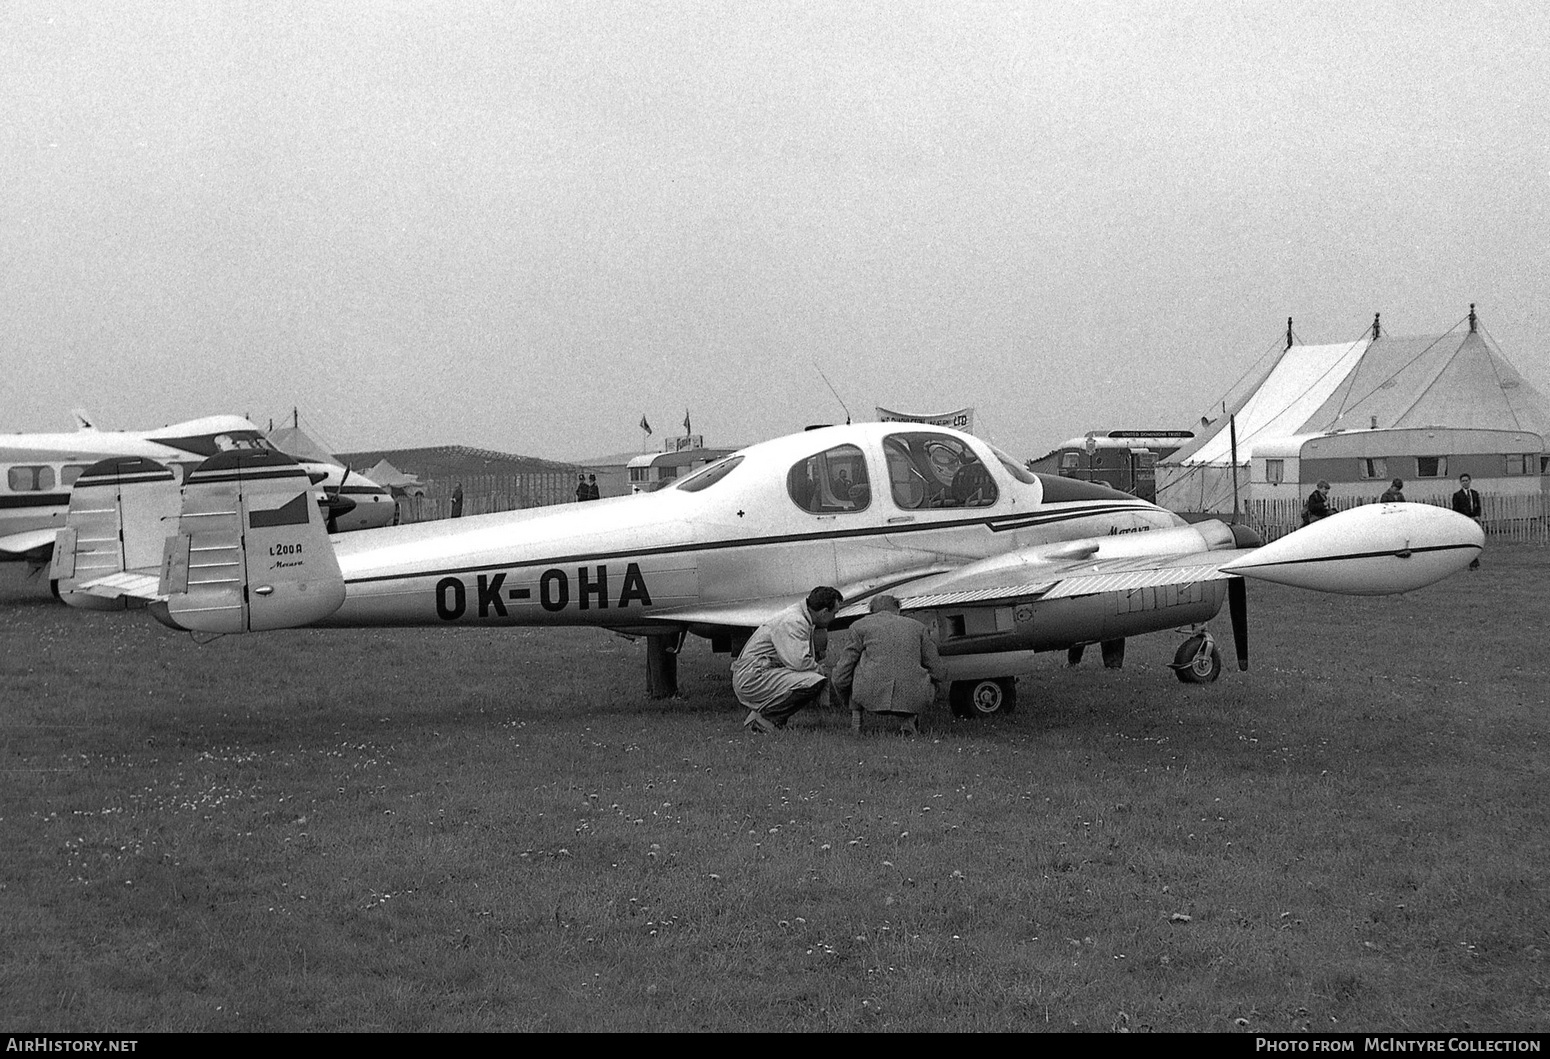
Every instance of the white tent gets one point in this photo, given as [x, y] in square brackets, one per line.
[1459, 379]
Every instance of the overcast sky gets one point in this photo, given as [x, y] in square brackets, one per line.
[523, 226]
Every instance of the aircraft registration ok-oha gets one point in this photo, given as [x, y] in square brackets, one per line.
[998, 561]
[38, 470]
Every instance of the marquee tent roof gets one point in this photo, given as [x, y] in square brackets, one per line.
[1457, 379]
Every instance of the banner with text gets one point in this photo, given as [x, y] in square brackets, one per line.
[962, 419]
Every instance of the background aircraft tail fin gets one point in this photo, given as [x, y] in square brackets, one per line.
[251, 552]
[121, 509]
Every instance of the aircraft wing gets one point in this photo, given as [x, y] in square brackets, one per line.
[1066, 579]
[1374, 549]
[36, 545]
[741, 614]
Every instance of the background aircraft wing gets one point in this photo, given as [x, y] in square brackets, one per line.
[36, 545]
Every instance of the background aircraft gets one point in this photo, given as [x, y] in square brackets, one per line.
[38, 470]
[997, 560]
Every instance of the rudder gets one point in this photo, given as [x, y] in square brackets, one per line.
[251, 552]
[121, 510]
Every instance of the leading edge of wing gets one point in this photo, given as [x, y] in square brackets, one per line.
[1066, 580]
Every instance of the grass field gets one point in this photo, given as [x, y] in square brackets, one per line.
[479, 830]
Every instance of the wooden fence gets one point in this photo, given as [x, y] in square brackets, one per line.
[1523, 518]
[484, 493]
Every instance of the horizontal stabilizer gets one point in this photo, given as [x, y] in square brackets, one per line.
[127, 585]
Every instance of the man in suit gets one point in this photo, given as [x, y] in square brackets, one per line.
[1395, 493]
[1467, 502]
[890, 667]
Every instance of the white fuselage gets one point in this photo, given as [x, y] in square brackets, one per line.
[632, 561]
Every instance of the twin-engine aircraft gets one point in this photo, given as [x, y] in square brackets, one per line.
[38, 470]
[997, 560]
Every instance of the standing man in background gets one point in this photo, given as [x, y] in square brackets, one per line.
[1317, 506]
[1467, 502]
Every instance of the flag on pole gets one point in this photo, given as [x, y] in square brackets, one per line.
[687, 428]
[645, 425]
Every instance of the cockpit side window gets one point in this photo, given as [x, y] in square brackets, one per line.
[927, 470]
[709, 475]
[831, 481]
[1015, 469]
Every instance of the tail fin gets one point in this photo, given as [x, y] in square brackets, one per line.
[121, 510]
[251, 552]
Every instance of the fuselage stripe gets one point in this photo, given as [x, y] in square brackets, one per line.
[1385, 554]
[1005, 522]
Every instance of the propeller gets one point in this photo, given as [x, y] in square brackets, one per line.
[1238, 610]
[336, 504]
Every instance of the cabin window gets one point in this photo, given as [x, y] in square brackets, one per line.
[1275, 471]
[1544, 465]
[831, 481]
[1373, 467]
[1518, 463]
[1069, 461]
[936, 471]
[706, 477]
[638, 474]
[70, 472]
[1431, 466]
[667, 474]
[30, 479]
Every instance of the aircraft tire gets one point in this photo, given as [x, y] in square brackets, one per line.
[1193, 667]
[989, 697]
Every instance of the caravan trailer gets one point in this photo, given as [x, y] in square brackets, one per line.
[1121, 459]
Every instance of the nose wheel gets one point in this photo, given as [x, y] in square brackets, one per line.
[983, 698]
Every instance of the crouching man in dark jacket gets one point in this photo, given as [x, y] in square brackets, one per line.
[890, 667]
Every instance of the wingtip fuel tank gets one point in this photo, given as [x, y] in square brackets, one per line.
[1372, 550]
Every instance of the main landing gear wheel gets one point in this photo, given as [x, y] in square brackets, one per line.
[1197, 661]
[983, 698]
